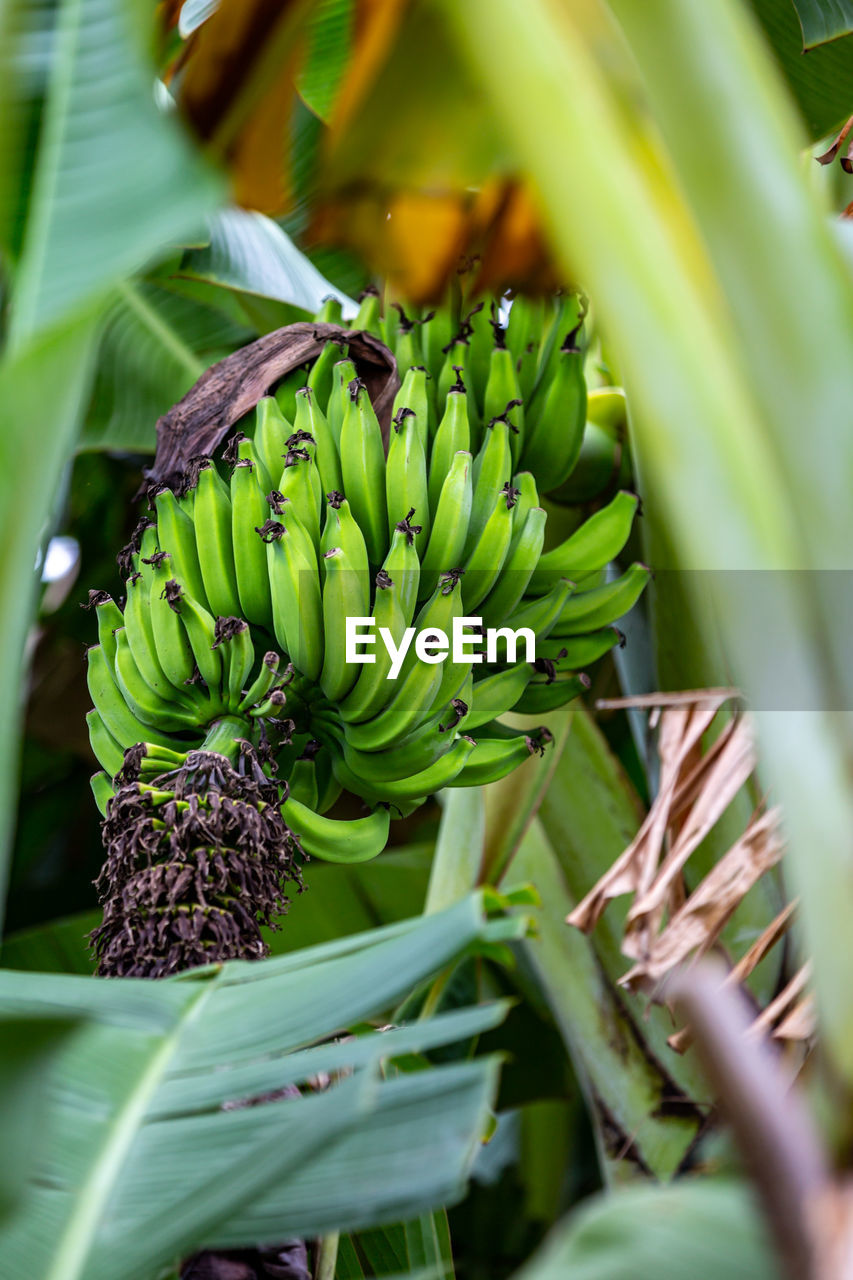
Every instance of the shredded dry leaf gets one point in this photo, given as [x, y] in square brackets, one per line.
[669, 925]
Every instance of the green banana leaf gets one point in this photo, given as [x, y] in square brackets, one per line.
[42, 391]
[707, 1229]
[144, 1163]
[819, 81]
[252, 255]
[624, 1084]
[824, 20]
[73, 228]
[28, 1049]
[155, 343]
[693, 288]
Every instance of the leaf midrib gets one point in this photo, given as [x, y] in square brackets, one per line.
[72, 1251]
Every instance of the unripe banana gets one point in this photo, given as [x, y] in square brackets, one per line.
[453, 436]
[343, 373]
[176, 534]
[503, 395]
[492, 471]
[484, 564]
[496, 694]
[413, 396]
[297, 607]
[353, 840]
[449, 535]
[248, 512]
[598, 541]
[494, 758]
[368, 318]
[311, 419]
[590, 610]
[174, 652]
[363, 470]
[406, 477]
[300, 493]
[517, 570]
[214, 542]
[543, 695]
[556, 423]
[343, 597]
[108, 751]
[341, 530]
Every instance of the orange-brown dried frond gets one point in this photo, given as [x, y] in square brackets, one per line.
[669, 924]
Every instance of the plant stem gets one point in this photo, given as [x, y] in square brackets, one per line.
[327, 1256]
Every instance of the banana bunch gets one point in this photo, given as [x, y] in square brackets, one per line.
[234, 629]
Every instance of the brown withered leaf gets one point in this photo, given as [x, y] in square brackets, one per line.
[666, 926]
[232, 387]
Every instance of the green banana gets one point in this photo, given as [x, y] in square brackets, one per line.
[341, 530]
[363, 469]
[176, 534]
[518, 568]
[248, 511]
[494, 758]
[503, 394]
[214, 541]
[102, 790]
[556, 426]
[541, 695]
[575, 652]
[368, 318]
[147, 705]
[302, 782]
[492, 471]
[406, 477]
[343, 373]
[484, 564]
[417, 683]
[300, 492]
[590, 610]
[496, 694]
[526, 321]
[343, 598]
[311, 420]
[109, 617]
[174, 652]
[321, 379]
[371, 690]
[297, 606]
[439, 774]
[108, 752]
[413, 396]
[110, 705]
[449, 534]
[263, 682]
[200, 627]
[453, 436]
[335, 840]
[234, 641]
[598, 541]
[139, 628]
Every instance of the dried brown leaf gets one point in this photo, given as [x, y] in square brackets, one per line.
[232, 387]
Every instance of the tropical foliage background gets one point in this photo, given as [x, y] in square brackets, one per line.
[173, 186]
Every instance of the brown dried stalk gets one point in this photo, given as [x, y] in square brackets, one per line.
[667, 926]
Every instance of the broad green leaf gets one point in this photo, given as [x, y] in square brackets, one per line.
[57, 947]
[155, 344]
[251, 254]
[28, 1048]
[111, 179]
[458, 858]
[820, 80]
[144, 1163]
[707, 285]
[824, 20]
[614, 1065]
[329, 36]
[694, 1228]
[42, 390]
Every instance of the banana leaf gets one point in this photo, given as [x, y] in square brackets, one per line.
[151, 1154]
